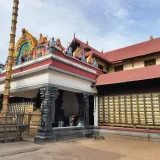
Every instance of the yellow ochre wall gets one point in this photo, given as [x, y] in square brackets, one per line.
[102, 63]
[134, 63]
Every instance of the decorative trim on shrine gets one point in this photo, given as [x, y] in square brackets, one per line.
[24, 47]
[69, 62]
[29, 48]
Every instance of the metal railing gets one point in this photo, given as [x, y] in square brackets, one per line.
[18, 122]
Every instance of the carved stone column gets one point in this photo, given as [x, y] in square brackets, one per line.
[48, 95]
[83, 101]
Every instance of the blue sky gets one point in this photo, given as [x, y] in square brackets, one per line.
[107, 24]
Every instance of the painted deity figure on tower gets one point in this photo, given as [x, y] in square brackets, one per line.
[59, 45]
[95, 63]
[83, 58]
[52, 42]
[41, 39]
[24, 56]
[69, 51]
[30, 56]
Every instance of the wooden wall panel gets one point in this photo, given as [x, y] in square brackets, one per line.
[131, 109]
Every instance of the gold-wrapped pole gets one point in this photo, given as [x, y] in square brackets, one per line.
[10, 57]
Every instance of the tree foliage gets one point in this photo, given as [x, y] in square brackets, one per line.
[1, 65]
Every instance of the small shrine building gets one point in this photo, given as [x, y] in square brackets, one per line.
[117, 88]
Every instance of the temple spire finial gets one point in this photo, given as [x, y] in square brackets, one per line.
[151, 37]
[87, 42]
[74, 37]
[102, 50]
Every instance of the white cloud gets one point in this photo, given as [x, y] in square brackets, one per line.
[52, 19]
[61, 18]
[122, 13]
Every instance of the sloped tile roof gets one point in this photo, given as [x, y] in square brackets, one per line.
[93, 51]
[138, 74]
[136, 50]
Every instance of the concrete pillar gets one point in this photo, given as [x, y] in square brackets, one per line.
[95, 110]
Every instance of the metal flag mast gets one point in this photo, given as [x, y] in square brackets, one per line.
[10, 57]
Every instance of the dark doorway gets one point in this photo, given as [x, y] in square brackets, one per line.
[91, 110]
[38, 101]
[59, 112]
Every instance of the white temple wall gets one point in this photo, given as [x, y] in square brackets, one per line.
[70, 83]
[26, 84]
[70, 104]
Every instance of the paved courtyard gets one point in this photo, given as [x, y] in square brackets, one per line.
[111, 148]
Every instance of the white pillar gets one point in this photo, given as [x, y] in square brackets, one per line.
[95, 110]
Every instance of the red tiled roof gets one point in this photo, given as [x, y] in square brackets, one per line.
[138, 74]
[93, 51]
[136, 50]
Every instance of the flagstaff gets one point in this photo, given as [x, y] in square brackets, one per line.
[10, 56]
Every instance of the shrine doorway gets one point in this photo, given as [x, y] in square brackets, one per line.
[66, 105]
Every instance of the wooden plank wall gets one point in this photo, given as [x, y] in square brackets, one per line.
[134, 110]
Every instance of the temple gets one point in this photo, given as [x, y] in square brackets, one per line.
[118, 88]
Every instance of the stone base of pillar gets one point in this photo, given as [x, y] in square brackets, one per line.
[43, 139]
[44, 136]
[65, 134]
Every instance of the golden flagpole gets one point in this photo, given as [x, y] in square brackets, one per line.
[10, 57]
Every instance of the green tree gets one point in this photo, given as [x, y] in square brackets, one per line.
[1, 66]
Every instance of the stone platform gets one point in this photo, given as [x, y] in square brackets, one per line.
[134, 132]
[71, 133]
[65, 133]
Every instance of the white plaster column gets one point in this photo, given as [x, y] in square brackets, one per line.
[95, 110]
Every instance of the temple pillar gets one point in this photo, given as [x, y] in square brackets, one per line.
[95, 110]
[53, 112]
[83, 101]
[48, 96]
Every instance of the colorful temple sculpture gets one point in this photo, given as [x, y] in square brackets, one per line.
[118, 88]
[24, 48]
[29, 48]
